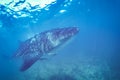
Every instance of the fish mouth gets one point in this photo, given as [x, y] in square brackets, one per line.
[69, 32]
[61, 35]
[64, 34]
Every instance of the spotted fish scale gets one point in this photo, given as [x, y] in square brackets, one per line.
[42, 44]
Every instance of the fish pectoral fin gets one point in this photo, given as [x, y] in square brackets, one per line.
[52, 54]
[27, 63]
[43, 58]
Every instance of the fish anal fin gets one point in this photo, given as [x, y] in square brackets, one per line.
[27, 63]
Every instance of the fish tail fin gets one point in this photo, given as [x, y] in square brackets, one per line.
[28, 63]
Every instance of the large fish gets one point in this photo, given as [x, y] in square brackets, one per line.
[42, 44]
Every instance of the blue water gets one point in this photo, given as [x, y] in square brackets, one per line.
[93, 54]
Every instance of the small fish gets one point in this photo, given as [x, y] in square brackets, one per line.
[42, 44]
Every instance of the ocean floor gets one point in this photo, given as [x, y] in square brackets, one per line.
[74, 70]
